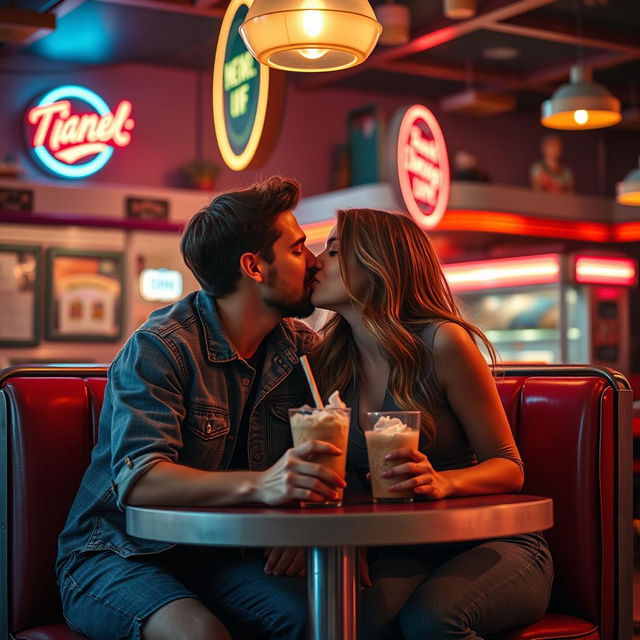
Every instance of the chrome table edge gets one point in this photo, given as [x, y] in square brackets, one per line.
[279, 527]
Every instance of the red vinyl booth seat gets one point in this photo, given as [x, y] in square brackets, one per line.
[572, 425]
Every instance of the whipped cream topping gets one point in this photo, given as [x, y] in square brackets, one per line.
[327, 413]
[335, 401]
[390, 426]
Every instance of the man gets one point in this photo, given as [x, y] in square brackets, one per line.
[195, 413]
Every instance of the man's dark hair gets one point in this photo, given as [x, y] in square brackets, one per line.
[234, 223]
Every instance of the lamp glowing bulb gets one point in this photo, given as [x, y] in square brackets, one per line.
[312, 23]
[581, 116]
[312, 54]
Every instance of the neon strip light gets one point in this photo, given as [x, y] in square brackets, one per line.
[626, 231]
[471, 220]
[595, 270]
[507, 272]
[517, 224]
[318, 231]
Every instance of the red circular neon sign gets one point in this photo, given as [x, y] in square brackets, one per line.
[423, 166]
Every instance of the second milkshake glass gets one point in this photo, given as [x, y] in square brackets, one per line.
[386, 431]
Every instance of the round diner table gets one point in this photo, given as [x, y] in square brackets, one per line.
[332, 535]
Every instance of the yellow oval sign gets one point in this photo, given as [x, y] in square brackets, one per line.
[247, 96]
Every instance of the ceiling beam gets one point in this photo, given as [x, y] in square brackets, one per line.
[62, 7]
[556, 30]
[17, 26]
[440, 33]
[483, 78]
[172, 6]
[545, 80]
[207, 3]
[560, 72]
[447, 30]
[58, 10]
[455, 73]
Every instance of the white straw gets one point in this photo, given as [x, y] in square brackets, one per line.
[312, 382]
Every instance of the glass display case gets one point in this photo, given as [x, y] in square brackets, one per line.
[548, 308]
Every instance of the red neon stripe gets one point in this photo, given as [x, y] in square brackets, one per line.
[626, 231]
[605, 270]
[517, 224]
[490, 274]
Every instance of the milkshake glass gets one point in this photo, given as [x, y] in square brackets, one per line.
[386, 431]
[330, 424]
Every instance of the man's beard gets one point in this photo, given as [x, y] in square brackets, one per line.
[301, 308]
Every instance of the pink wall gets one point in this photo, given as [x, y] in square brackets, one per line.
[173, 122]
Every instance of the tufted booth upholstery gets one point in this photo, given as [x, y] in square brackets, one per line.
[572, 425]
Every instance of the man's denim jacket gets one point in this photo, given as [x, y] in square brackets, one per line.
[176, 392]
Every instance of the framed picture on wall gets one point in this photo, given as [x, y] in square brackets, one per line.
[85, 295]
[20, 268]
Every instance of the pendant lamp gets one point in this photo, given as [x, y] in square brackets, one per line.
[459, 9]
[628, 191]
[310, 35]
[580, 104]
[395, 19]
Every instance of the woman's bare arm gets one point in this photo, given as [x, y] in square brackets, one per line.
[471, 390]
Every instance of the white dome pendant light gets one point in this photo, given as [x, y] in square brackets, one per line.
[310, 35]
[628, 191]
[581, 104]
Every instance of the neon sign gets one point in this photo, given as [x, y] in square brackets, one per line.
[77, 145]
[247, 96]
[160, 285]
[422, 165]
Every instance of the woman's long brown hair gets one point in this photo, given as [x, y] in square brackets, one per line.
[405, 290]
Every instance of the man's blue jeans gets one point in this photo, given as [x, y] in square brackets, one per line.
[108, 597]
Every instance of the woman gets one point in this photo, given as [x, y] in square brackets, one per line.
[398, 342]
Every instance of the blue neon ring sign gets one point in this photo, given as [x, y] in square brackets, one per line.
[100, 160]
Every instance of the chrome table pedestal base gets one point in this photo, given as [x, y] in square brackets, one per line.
[332, 581]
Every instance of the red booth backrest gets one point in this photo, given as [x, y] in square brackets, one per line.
[556, 423]
[563, 426]
[52, 427]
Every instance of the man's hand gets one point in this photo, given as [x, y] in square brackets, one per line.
[295, 477]
[285, 561]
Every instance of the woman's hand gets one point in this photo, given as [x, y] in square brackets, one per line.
[424, 480]
[363, 567]
[285, 561]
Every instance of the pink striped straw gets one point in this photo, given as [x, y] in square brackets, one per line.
[304, 361]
